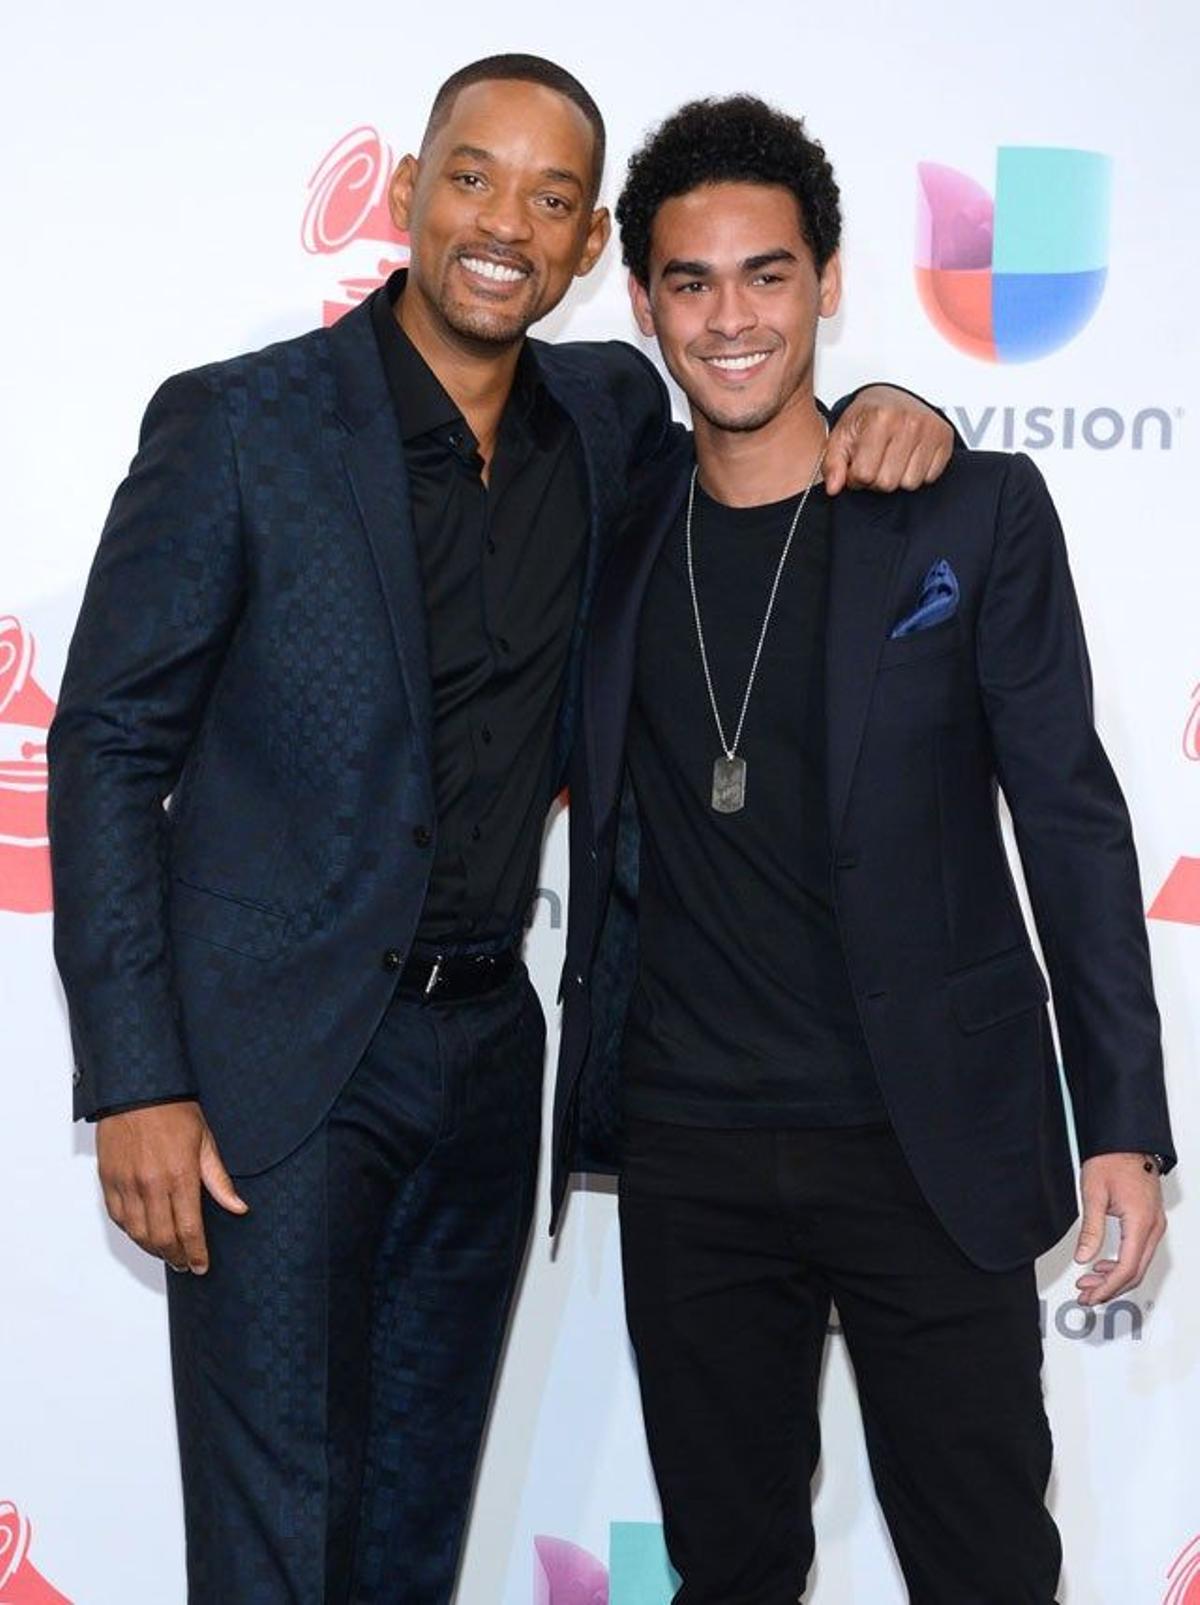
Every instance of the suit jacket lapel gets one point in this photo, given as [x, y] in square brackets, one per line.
[655, 498]
[868, 537]
[374, 459]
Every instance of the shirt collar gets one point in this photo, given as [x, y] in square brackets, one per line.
[422, 404]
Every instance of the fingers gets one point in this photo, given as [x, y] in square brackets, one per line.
[1140, 1236]
[1091, 1232]
[189, 1230]
[837, 461]
[217, 1179]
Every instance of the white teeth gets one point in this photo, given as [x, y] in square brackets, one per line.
[492, 270]
[734, 363]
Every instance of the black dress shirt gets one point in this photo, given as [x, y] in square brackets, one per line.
[743, 1013]
[501, 564]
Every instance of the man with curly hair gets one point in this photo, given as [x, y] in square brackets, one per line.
[807, 986]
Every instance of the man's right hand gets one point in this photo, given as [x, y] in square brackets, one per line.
[153, 1163]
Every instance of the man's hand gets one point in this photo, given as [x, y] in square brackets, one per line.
[153, 1163]
[1119, 1185]
[887, 440]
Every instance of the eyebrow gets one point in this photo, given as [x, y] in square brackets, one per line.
[702, 270]
[556, 175]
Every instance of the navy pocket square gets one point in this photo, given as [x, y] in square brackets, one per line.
[938, 601]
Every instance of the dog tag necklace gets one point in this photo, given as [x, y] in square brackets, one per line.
[729, 770]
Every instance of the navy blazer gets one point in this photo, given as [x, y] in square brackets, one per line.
[252, 654]
[922, 731]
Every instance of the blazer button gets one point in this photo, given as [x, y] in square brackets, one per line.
[76, 1076]
[422, 835]
[393, 959]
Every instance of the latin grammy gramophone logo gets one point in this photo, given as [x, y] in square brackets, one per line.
[1183, 1579]
[20, 1581]
[25, 715]
[1179, 899]
[348, 211]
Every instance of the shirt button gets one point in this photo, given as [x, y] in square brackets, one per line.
[455, 439]
[421, 835]
[486, 735]
[502, 643]
[476, 833]
[491, 546]
[392, 960]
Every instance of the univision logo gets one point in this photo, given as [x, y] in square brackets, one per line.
[1012, 279]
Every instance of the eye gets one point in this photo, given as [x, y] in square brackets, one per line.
[767, 278]
[691, 287]
[467, 180]
[556, 203]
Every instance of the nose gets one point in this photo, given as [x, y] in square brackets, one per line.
[730, 312]
[503, 216]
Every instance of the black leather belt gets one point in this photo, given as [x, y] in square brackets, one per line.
[447, 980]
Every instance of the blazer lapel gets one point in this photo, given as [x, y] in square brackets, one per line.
[868, 537]
[655, 498]
[374, 459]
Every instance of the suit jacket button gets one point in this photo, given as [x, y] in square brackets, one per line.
[422, 835]
[393, 959]
[76, 1076]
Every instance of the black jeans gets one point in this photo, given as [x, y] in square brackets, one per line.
[735, 1243]
[333, 1369]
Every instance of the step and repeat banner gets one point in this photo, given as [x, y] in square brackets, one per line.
[1022, 245]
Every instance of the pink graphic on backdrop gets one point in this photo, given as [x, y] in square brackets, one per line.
[1183, 1580]
[347, 203]
[20, 1581]
[1178, 901]
[564, 1574]
[25, 715]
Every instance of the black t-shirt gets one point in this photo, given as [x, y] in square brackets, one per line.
[742, 1014]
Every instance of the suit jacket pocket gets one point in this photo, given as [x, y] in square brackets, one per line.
[226, 921]
[998, 989]
[937, 640]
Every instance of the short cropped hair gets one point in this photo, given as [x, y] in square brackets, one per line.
[521, 69]
[737, 140]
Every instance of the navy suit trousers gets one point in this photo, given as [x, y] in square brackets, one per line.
[334, 1368]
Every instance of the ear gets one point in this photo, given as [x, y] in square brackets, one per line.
[830, 286]
[598, 232]
[639, 299]
[401, 188]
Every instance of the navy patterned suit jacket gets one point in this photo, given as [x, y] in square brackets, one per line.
[922, 732]
[251, 653]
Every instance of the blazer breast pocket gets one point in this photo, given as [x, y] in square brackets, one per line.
[940, 640]
[226, 921]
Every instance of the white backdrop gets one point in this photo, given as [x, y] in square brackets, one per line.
[159, 162]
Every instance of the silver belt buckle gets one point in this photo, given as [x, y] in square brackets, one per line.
[433, 975]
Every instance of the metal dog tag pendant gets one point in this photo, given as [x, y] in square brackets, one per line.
[729, 785]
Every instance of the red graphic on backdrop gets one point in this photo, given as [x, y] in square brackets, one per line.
[348, 202]
[20, 1582]
[564, 1574]
[1183, 1580]
[25, 715]
[1179, 899]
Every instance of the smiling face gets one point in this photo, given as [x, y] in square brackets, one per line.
[734, 297]
[499, 211]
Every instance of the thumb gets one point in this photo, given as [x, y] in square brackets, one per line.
[217, 1179]
[1091, 1233]
[838, 452]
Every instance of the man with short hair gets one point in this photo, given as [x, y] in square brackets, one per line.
[335, 619]
[807, 985]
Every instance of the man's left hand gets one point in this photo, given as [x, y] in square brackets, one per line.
[1122, 1186]
[887, 440]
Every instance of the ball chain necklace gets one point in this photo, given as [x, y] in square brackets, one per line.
[729, 771]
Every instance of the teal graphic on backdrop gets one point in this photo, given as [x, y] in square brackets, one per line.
[638, 1571]
[1013, 278]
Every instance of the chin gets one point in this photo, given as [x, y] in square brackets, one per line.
[736, 421]
[488, 327]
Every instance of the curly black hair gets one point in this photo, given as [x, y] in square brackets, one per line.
[739, 139]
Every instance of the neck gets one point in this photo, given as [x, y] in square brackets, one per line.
[476, 375]
[749, 467]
